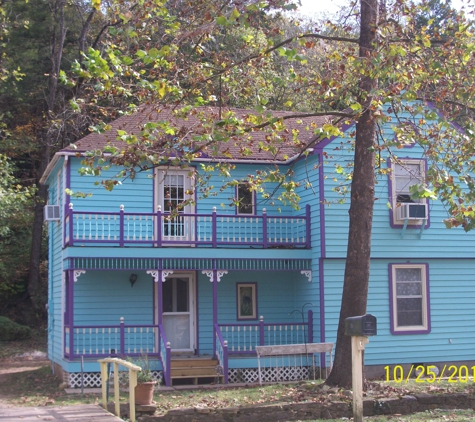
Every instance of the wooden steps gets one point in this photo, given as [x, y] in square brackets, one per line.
[193, 368]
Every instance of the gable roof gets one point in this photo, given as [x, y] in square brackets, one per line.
[286, 145]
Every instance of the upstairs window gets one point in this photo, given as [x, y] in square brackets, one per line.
[245, 199]
[409, 293]
[405, 208]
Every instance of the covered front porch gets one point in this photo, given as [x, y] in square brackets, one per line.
[170, 308]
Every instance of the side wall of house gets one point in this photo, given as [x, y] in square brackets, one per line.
[448, 254]
[56, 184]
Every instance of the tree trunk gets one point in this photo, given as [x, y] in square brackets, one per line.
[57, 45]
[355, 288]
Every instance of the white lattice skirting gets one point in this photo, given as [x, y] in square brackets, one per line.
[93, 379]
[273, 374]
[244, 375]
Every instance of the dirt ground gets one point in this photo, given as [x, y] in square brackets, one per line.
[17, 365]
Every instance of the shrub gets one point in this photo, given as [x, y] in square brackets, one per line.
[10, 330]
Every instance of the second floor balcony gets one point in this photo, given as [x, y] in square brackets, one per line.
[161, 229]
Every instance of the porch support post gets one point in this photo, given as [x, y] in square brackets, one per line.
[215, 277]
[308, 227]
[70, 294]
[159, 277]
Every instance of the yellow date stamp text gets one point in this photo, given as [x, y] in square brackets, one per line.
[430, 373]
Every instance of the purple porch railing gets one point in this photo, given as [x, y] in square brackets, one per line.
[123, 340]
[165, 355]
[189, 229]
[221, 352]
[243, 338]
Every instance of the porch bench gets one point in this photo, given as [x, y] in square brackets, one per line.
[294, 350]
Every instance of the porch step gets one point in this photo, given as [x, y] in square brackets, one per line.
[193, 368]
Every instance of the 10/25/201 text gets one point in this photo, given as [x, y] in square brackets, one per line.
[430, 373]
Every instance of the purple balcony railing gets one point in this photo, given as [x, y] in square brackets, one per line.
[243, 338]
[186, 229]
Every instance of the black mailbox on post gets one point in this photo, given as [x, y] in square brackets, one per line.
[364, 325]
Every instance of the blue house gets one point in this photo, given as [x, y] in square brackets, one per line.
[209, 284]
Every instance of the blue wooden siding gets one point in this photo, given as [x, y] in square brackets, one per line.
[278, 294]
[109, 294]
[306, 173]
[55, 291]
[436, 241]
[136, 195]
[452, 294]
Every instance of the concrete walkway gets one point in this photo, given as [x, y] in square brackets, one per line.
[79, 413]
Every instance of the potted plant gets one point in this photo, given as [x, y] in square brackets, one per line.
[145, 382]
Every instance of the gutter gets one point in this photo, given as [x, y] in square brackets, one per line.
[57, 156]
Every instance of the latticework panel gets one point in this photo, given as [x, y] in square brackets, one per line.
[93, 379]
[271, 374]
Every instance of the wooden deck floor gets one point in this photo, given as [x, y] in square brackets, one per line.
[79, 413]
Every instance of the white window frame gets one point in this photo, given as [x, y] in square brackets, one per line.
[395, 192]
[238, 198]
[409, 329]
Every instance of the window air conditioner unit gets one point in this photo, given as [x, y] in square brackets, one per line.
[51, 212]
[412, 211]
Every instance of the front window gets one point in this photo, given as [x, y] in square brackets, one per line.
[409, 299]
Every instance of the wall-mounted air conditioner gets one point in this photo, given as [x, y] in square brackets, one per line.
[51, 212]
[411, 211]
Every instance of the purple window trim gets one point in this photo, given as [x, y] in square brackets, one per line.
[392, 222]
[238, 284]
[391, 300]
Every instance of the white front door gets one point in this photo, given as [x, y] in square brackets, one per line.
[174, 188]
[178, 312]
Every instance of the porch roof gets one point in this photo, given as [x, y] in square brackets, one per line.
[190, 264]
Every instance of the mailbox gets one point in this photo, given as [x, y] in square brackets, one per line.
[364, 325]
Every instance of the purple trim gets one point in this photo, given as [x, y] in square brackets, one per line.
[71, 311]
[321, 194]
[392, 223]
[122, 338]
[197, 321]
[308, 231]
[391, 301]
[264, 229]
[456, 126]
[261, 332]
[215, 302]
[239, 284]
[217, 333]
[323, 253]
[214, 228]
[121, 232]
[160, 295]
[324, 142]
[169, 366]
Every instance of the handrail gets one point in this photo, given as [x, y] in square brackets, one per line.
[165, 349]
[242, 338]
[104, 340]
[208, 229]
[133, 370]
[221, 352]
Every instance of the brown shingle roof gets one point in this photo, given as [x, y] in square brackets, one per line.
[286, 145]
